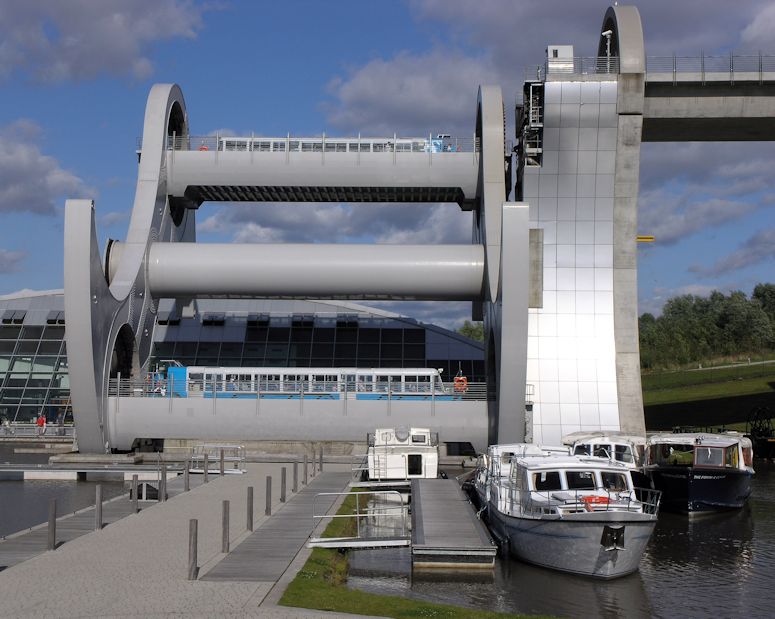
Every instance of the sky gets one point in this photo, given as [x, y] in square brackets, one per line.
[75, 75]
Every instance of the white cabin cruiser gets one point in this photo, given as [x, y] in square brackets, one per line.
[494, 467]
[402, 453]
[571, 513]
[629, 449]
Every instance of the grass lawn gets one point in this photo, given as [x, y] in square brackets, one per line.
[692, 385]
[708, 391]
[321, 585]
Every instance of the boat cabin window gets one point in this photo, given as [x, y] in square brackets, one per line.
[581, 450]
[731, 457]
[418, 438]
[547, 480]
[676, 455]
[623, 453]
[709, 456]
[269, 382]
[213, 382]
[195, 381]
[748, 456]
[580, 480]
[245, 382]
[614, 482]
[602, 451]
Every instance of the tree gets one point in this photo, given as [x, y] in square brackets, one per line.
[765, 295]
[473, 330]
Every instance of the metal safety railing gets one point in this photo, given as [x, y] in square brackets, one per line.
[577, 65]
[323, 144]
[162, 388]
[645, 500]
[704, 68]
[211, 455]
[23, 430]
[386, 513]
[730, 67]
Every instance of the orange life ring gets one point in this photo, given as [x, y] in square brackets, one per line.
[594, 499]
[461, 383]
[203, 147]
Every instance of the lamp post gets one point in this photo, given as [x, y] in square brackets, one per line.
[607, 34]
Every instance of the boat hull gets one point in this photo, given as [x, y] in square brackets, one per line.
[688, 490]
[574, 543]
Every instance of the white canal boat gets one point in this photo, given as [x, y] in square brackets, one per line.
[396, 454]
[570, 513]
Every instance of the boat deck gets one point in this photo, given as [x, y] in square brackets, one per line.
[445, 530]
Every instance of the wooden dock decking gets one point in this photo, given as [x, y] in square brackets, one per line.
[267, 552]
[445, 530]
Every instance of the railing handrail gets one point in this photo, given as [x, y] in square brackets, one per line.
[324, 145]
[138, 387]
[389, 510]
[647, 499]
[712, 67]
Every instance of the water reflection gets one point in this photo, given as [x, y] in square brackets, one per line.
[713, 565]
[24, 504]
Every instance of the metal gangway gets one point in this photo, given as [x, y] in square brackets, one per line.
[381, 520]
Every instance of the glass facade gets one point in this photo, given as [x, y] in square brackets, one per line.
[236, 333]
[33, 367]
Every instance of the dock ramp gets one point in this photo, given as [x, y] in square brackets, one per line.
[445, 530]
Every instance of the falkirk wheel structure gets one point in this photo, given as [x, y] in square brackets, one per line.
[551, 268]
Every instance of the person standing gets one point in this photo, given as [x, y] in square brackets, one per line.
[41, 423]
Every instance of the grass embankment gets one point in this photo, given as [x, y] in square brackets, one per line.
[702, 384]
[321, 585]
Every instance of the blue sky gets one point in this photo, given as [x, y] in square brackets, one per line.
[76, 74]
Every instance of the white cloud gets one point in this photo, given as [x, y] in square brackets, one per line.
[80, 39]
[340, 223]
[10, 260]
[759, 30]
[672, 217]
[113, 218]
[448, 314]
[757, 249]
[29, 180]
[411, 94]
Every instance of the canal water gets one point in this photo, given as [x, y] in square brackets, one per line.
[24, 504]
[720, 565]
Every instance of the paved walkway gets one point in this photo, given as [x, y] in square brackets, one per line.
[25, 545]
[137, 566]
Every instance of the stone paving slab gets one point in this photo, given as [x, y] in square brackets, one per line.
[137, 566]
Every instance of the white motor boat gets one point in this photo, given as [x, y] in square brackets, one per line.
[402, 453]
[570, 513]
[629, 449]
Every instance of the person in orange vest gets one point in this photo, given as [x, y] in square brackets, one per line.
[41, 423]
